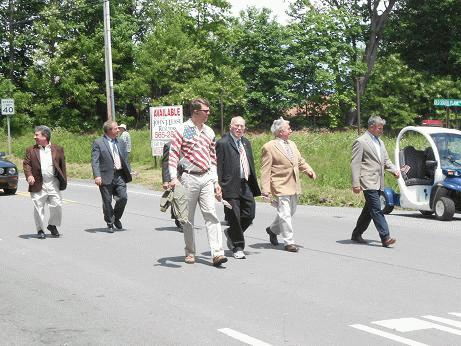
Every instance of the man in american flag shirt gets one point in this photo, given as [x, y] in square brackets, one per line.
[193, 148]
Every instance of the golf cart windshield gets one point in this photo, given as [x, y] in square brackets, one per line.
[449, 148]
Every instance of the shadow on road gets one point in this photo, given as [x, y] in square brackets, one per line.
[35, 236]
[103, 230]
[169, 229]
[268, 246]
[170, 262]
[370, 242]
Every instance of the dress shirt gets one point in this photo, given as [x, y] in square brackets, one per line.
[377, 144]
[46, 162]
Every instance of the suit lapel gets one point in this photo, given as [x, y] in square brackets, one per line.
[281, 148]
[37, 153]
[109, 149]
[232, 143]
[370, 143]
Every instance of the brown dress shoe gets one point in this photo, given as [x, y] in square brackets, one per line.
[388, 242]
[218, 260]
[358, 239]
[291, 248]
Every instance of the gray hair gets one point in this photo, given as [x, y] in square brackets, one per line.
[234, 119]
[44, 130]
[376, 120]
[107, 125]
[277, 125]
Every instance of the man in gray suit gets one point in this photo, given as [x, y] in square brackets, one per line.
[111, 172]
[369, 160]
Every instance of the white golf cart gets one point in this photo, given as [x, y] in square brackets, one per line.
[429, 160]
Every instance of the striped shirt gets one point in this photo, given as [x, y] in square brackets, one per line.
[193, 149]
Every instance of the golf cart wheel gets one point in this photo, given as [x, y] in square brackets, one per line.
[426, 212]
[444, 209]
[385, 207]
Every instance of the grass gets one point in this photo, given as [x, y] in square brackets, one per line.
[327, 152]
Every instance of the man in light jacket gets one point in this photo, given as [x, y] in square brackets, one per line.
[369, 160]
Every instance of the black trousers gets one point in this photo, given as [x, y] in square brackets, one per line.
[372, 211]
[117, 190]
[241, 215]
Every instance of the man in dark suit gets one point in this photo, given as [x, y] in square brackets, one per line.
[237, 178]
[45, 171]
[111, 172]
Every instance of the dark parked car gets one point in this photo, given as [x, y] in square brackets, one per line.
[8, 175]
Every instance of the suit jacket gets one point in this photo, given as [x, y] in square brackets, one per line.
[367, 168]
[102, 160]
[280, 175]
[32, 167]
[228, 167]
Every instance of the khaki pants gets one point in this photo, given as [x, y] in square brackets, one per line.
[200, 189]
[282, 224]
[50, 195]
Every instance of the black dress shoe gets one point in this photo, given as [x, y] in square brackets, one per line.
[110, 228]
[118, 224]
[178, 224]
[53, 230]
[358, 239]
[272, 236]
[41, 235]
[291, 248]
[387, 242]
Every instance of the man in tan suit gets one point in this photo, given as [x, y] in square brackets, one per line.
[369, 160]
[281, 164]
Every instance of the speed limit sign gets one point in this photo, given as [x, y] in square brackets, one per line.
[7, 106]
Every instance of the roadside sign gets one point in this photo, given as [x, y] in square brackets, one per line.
[7, 106]
[447, 102]
[163, 122]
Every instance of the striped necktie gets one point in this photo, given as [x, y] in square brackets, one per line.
[243, 160]
[117, 162]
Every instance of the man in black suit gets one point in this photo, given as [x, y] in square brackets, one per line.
[111, 171]
[237, 178]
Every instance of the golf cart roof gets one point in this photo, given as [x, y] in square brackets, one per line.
[429, 130]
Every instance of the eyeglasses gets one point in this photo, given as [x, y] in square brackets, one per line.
[203, 110]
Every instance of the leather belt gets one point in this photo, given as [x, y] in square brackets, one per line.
[196, 172]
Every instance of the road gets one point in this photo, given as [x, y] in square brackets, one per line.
[90, 287]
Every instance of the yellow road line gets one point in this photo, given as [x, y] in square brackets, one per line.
[27, 194]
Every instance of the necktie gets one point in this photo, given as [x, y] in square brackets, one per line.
[117, 162]
[288, 150]
[243, 160]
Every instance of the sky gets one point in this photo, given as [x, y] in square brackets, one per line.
[278, 7]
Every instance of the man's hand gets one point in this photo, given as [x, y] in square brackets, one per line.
[98, 181]
[173, 183]
[356, 189]
[312, 175]
[165, 185]
[266, 195]
[217, 191]
[397, 174]
[31, 180]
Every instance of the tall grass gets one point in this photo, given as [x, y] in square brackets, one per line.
[328, 153]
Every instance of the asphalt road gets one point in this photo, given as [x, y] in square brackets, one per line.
[90, 287]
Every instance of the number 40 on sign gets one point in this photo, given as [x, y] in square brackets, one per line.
[7, 106]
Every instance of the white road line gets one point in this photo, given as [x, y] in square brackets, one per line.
[412, 324]
[387, 335]
[452, 323]
[458, 314]
[243, 337]
[129, 191]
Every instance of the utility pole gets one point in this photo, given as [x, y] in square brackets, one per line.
[11, 61]
[108, 60]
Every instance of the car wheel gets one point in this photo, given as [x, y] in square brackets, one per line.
[444, 209]
[385, 207]
[10, 191]
[426, 212]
